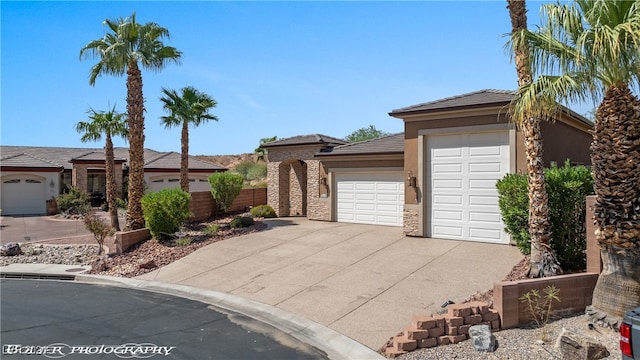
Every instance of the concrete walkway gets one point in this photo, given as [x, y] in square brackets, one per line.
[363, 281]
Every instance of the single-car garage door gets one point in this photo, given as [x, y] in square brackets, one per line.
[463, 172]
[23, 195]
[370, 198]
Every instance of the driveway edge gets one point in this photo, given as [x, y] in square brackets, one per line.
[334, 344]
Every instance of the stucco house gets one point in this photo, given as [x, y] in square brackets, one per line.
[436, 179]
[31, 175]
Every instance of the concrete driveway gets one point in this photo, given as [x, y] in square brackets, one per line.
[363, 281]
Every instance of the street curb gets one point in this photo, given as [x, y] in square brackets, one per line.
[334, 344]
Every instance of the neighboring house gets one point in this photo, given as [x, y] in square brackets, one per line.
[437, 179]
[31, 175]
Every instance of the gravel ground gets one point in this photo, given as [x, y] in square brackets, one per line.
[523, 344]
[53, 254]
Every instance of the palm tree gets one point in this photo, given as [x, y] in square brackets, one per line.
[586, 50]
[539, 223]
[261, 153]
[126, 46]
[191, 107]
[110, 123]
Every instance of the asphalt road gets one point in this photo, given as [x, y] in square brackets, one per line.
[73, 320]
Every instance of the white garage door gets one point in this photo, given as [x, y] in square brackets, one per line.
[464, 169]
[370, 198]
[23, 195]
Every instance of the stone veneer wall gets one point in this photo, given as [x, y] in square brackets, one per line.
[79, 177]
[411, 220]
[293, 186]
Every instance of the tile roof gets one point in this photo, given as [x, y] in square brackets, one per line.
[385, 145]
[485, 97]
[312, 139]
[170, 159]
[28, 161]
[61, 157]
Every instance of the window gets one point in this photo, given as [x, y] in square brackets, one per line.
[12, 181]
[31, 181]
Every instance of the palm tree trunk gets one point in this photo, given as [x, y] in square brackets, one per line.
[135, 112]
[539, 225]
[615, 156]
[184, 157]
[111, 186]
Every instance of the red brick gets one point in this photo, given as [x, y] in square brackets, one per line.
[415, 334]
[454, 339]
[490, 316]
[423, 322]
[473, 319]
[435, 332]
[440, 320]
[404, 344]
[478, 307]
[453, 320]
[392, 353]
[451, 330]
[464, 329]
[427, 343]
[460, 310]
[444, 340]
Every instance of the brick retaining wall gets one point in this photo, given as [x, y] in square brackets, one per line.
[203, 206]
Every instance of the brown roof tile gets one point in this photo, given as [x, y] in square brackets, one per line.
[385, 145]
[486, 97]
[306, 140]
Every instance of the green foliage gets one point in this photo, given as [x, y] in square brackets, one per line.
[121, 203]
[211, 229]
[74, 202]
[368, 133]
[250, 170]
[262, 152]
[514, 207]
[567, 187]
[225, 187]
[98, 227]
[165, 211]
[263, 211]
[540, 308]
[182, 241]
[241, 222]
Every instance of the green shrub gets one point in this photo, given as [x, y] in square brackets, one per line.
[182, 241]
[243, 168]
[74, 202]
[263, 211]
[121, 203]
[165, 211]
[98, 227]
[211, 229]
[568, 187]
[225, 187]
[257, 172]
[241, 222]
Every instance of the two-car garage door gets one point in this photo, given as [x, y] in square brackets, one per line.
[462, 174]
[370, 198]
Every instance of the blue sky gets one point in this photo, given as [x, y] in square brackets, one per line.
[275, 68]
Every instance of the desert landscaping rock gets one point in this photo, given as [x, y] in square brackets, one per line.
[481, 338]
[10, 249]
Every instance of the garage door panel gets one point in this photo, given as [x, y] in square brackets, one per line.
[447, 168]
[464, 204]
[448, 153]
[370, 198]
[23, 196]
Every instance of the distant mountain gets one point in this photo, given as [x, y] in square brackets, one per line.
[228, 161]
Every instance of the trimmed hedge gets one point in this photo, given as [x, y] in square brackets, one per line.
[263, 211]
[165, 211]
[568, 187]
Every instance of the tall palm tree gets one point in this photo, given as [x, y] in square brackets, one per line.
[121, 50]
[539, 223]
[110, 123]
[189, 107]
[586, 50]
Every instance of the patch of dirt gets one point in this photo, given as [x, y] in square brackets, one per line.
[518, 272]
[152, 254]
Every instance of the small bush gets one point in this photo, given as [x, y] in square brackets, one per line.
[211, 229]
[241, 222]
[257, 172]
[98, 227]
[165, 211]
[541, 308]
[567, 187]
[182, 241]
[263, 211]
[121, 203]
[74, 202]
[225, 187]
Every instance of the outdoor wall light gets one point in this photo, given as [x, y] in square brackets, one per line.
[323, 181]
[411, 180]
[51, 184]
